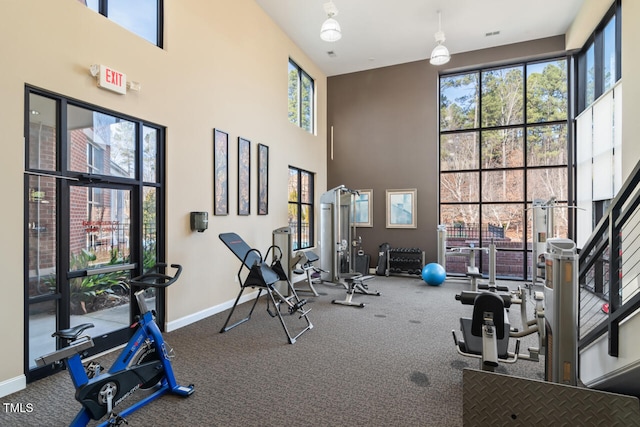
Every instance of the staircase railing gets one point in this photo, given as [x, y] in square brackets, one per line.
[609, 269]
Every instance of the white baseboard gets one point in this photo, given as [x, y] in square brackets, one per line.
[203, 314]
[12, 385]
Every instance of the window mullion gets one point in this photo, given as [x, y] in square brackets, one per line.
[104, 8]
[299, 206]
[299, 98]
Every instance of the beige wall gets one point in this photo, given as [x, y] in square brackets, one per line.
[224, 65]
[585, 23]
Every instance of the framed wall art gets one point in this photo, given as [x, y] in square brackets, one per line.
[401, 208]
[364, 208]
[220, 172]
[244, 176]
[263, 179]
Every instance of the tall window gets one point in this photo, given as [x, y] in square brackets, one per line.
[301, 221]
[503, 144]
[598, 122]
[301, 97]
[141, 17]
[599, 66]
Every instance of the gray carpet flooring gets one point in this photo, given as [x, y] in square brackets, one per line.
[391, 363]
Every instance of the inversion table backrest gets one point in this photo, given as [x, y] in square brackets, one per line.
[240, 248]
[252, 258]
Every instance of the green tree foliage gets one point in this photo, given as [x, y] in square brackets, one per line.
[547, 93]
[484, 118]
[306, 101]
[502, 97]
[546, 102]
[293, 95]
[459, 96]
[149, 221]
[300, 98]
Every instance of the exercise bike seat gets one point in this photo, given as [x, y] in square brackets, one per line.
[72, 333]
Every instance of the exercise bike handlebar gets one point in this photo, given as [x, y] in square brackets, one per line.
[154, 279]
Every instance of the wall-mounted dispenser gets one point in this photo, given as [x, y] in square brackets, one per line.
[199, 221]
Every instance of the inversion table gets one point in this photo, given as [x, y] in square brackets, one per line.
[263, 276]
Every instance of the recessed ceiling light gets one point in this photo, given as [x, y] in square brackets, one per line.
[35, 112]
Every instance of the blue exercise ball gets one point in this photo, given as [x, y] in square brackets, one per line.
[434, 274]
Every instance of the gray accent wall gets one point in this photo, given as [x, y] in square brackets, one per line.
[385, 136]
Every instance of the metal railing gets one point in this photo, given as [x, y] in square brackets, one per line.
[609, 269]
[474, 231]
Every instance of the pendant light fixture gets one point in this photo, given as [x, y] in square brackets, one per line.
[440, 54]
[330, 30]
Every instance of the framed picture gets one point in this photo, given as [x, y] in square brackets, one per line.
[220, 172]
[364, 208]
[401, 208]
[244, 176]
[263, 179]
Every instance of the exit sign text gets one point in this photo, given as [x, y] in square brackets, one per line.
[113, 80]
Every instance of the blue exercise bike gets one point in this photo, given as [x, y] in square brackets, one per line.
[144, 363]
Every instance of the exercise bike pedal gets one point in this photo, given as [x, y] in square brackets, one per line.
[116, 420]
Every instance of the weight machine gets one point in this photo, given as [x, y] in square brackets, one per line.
[338, 244]
[487, 333]
[561, 294]
[543, 228]
[556, 325]
[473, 273]
[304, 259]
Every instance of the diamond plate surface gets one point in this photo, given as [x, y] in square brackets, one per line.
[490, 399]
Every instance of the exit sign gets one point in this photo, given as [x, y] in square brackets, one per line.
[112, 80]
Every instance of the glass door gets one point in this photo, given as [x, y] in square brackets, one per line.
[99, 257]
[93, 208]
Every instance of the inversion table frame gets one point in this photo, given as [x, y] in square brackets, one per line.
[264, 277]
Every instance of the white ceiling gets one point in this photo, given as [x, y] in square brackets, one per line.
[378, 33]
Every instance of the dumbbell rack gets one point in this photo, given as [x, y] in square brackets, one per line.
[405, 261]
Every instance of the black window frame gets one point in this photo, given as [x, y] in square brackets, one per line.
[597, 40]
[302, 73]
[525, 125]
[297, 240]
[103, 9]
